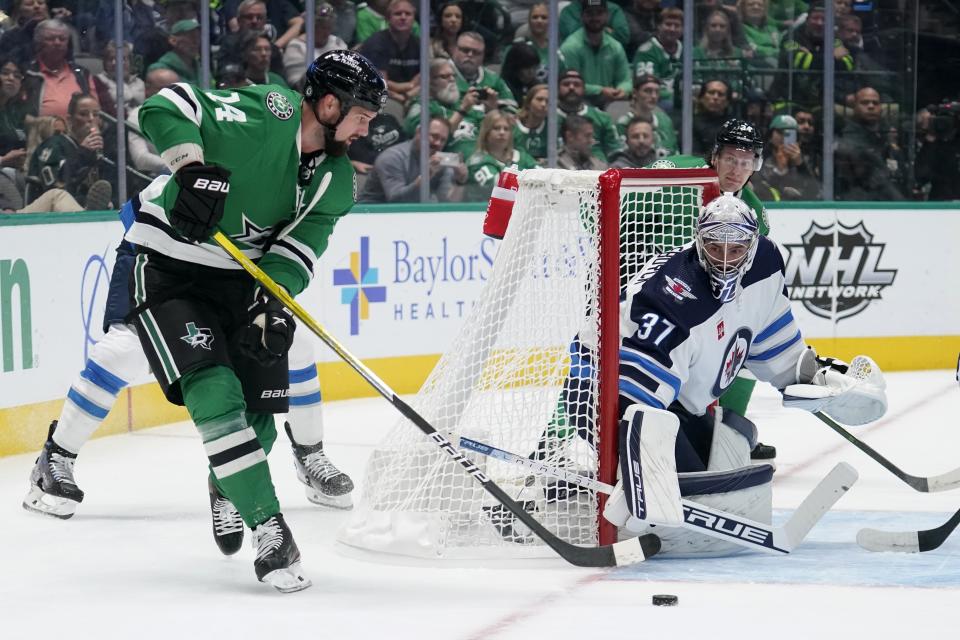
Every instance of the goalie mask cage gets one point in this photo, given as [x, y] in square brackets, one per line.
[533, 371]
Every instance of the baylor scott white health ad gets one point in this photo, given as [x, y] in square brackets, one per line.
[400, 284]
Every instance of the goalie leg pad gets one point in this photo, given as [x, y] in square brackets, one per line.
[734, 437]
[745, 492]
[648, 465]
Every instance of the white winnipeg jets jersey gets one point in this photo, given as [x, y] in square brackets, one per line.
[678, 343]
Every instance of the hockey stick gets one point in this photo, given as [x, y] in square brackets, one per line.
[932, 484]
[707, 520]
[907, 541]
[618, 554]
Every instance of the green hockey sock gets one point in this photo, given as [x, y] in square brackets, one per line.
[214, 398]
[737, 396]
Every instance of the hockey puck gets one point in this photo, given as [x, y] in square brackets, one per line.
[665, 600]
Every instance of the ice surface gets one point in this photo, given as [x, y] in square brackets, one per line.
[138, 561]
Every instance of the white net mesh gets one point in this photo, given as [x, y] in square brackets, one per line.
[522, 376]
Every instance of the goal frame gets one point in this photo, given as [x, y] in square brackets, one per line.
[610, 184]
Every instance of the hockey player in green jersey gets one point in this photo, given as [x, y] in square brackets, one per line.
[266, 166]
[736, 155]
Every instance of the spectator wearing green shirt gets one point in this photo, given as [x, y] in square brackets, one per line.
[492, 91]
[372, 17]
[571, 19]
[597, 56]
[530, 127]
[571, 101]
[538, 21]
[256, 60]
[716, 56]
[643, 103]
[462, 110]
[184, 58]
[761, 32]
[661, 55]
[495, 151]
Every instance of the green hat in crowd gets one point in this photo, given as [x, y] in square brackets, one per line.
[783, 121]
[184, 25]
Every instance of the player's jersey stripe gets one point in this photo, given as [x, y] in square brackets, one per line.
[654, 369]
[181, 96]
[774, 327]
[295, 252]
[637, 394]
[775, 351]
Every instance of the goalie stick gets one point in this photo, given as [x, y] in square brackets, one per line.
[621, 553]
[713, 522]
[907, 541]
[932, 484]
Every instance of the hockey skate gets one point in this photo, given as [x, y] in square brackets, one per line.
[227, 523]
[278, 558]
[53, 491]
[763, 452]
[325, 484]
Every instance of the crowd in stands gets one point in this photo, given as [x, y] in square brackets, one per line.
[619, 92]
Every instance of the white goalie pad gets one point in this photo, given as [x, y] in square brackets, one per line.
[648, 464]
[853, 394]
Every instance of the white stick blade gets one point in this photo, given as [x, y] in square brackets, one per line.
[944, 481]
[900, 542]
[833, 486]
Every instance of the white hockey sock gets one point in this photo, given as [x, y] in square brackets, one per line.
[113, 362]
[306, 414]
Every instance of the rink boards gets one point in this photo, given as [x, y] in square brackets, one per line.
[398, 281]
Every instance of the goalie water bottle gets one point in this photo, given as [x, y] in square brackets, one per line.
[500, 205]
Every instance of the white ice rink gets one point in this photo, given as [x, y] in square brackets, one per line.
[138, 561]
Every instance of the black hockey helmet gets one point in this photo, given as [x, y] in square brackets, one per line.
[350, 77]
[740, 134]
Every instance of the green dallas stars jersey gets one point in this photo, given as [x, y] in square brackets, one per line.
[698, 162]
[255, 133]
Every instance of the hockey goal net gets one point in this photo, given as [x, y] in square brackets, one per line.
[533, 371]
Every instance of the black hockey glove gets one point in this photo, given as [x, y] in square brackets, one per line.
[199, 205]
[268, 336]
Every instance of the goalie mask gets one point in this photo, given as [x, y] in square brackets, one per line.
[726, 241]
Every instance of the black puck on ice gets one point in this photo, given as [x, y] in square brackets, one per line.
[665, 600]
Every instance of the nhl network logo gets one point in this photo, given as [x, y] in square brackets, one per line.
[819, 270]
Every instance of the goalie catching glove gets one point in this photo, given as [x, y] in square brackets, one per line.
[200, 202]
[270, 333]
[853, 394]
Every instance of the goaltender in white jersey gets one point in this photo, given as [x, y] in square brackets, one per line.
[690, 320]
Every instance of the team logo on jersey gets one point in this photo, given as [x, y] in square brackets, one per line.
[836, 264]
[663, 163]
[733, 358]
[679, 289]
[720, 330]
[279, 105]
[195, 337]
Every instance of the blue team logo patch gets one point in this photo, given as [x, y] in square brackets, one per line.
[733, 358]
[279, 106]
[679, 289]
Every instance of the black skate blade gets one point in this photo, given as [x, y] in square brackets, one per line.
[287, 580]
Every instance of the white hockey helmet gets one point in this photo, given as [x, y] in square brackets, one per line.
[726, 239]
